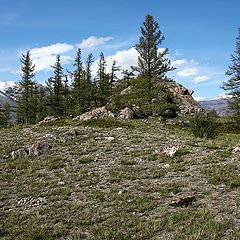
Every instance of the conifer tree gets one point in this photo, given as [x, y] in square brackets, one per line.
[26, 111]
[152, 63]
[103, 80]
[232, 86]
[153, 66]
[114, 69]
[5, 115]
[41, 103]
[93, 90]
[56, 90]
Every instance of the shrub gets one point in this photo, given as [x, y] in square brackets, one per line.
[204, 125]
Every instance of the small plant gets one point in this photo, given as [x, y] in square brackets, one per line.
[204, 125]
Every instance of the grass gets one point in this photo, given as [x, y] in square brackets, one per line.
[93, 188]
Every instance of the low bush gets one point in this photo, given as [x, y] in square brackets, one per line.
[204, 125]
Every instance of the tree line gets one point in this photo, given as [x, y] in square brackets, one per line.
[143, 88]
[73, 93]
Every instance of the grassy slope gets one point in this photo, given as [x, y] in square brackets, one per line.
[96, 187]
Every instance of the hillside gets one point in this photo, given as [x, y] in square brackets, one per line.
[105, 179]
[220, 105]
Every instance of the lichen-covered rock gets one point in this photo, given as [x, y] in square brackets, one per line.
[39, 148]
[35, 149]
[49, 119]
[22, 152]
[126, 113]
[101, 112]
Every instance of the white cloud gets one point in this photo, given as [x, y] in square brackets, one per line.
[200, 79]
[93, 41]
[187, 72]
[58, 48]
[45, 57]
[125, 58]
[179, 62]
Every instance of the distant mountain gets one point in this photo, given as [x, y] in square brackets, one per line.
[6, 93]
[220, 105]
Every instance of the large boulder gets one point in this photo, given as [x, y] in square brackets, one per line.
[100, 112]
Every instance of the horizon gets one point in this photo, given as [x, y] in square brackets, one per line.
[199, 44]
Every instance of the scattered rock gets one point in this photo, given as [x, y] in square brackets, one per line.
[126, 113]
[167, 152]
[101, 112]
[30, 202]
[187, 201]
[22, 152]
[236, 149]
[39, 148]
[48, 120]
[72, 132]
[35, 149]
[109, 138]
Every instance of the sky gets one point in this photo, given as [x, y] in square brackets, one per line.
[200, 36]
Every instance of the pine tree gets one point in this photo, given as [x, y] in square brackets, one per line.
[114, 69]
[5, 115]
[153, 66]
[103, 80]
[41, 103]
[26, 111]
[232, 86]
[152, 63]
[56, 90]
[92, 86]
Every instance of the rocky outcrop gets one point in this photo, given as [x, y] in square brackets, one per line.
[184, 97]
[101, 112]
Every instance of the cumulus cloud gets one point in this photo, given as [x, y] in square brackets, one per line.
[179, 62]
[187, 72]
[58, 48]
[125, 59]
[93, 41]
[200, 79]
[45, 57]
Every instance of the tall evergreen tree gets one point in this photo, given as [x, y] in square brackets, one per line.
[115, 68]
[42, 110]
[56, 90]
[77, 88]
[103, 80]
[5, 115]
[153, 66]
[26, 111]
[232, 86]
[93, 91]
[152, 63]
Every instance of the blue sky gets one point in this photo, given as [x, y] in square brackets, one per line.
[200, 35]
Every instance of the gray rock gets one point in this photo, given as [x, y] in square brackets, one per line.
[101, 112]
[126, 113]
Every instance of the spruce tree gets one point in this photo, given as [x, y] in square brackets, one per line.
[42, 110]
[232, 86]
[153, 66]
[92, 86]
[152, 63]
[5, 115]
[26, 111]
[103, 80]
[56, 90]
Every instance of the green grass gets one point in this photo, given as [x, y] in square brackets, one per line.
[93, 188]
